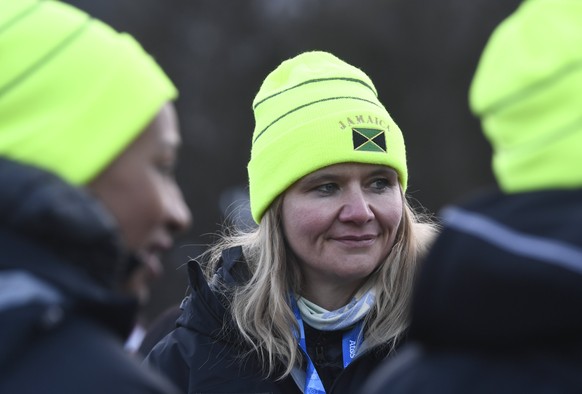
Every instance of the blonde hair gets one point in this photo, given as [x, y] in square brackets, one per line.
[260, 307]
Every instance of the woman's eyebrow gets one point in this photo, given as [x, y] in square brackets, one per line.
[321, 177]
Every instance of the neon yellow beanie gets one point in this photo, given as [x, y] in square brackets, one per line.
[528, 92]
[73, 92]
[312, 111]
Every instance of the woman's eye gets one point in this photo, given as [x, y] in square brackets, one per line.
[166, 169]
[381, 184]
[327, 188]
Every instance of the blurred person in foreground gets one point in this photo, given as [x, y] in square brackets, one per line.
[497, 305]
[316, 296]
[88, 142]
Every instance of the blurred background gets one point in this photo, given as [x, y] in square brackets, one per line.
[421, 55]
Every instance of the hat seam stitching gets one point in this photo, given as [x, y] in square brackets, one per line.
[306, 105]
[45, 58]
[531, 88]
[314, 81]
[22, 14]
[547, 138]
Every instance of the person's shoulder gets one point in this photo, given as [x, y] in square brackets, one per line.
[184, 348]
[119, 371]
[190, 358]
[159, 328]
[108, 367]
[422, 369]
[412, 369]
[81, 356]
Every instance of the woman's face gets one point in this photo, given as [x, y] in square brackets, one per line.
[341, 221]
[139, 189]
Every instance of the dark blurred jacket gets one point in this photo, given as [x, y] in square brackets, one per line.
[199, 356]
[61, 325]
[497, 304]
[162, 325]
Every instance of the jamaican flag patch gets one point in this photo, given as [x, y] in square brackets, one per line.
[369, 140]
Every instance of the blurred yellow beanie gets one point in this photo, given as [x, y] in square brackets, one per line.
[73, 92]
[312, 111]
[527, 90]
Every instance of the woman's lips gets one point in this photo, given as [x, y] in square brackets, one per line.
[356, 241]
[151, 258]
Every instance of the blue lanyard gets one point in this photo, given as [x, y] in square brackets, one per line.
[351, 341]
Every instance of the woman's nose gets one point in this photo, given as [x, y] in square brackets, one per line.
[179, 216]
[356, 208]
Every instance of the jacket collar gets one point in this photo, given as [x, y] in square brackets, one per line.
[205, 309]
[65, 219]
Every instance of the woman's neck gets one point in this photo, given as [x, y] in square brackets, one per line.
[329, 296]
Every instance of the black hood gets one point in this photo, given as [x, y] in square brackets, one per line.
[67, 220]
[506, 272]
[60, 255]
[56, 290]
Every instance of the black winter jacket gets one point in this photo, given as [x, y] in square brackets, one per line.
[200, 357]
[61, 325]
[497, 304]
